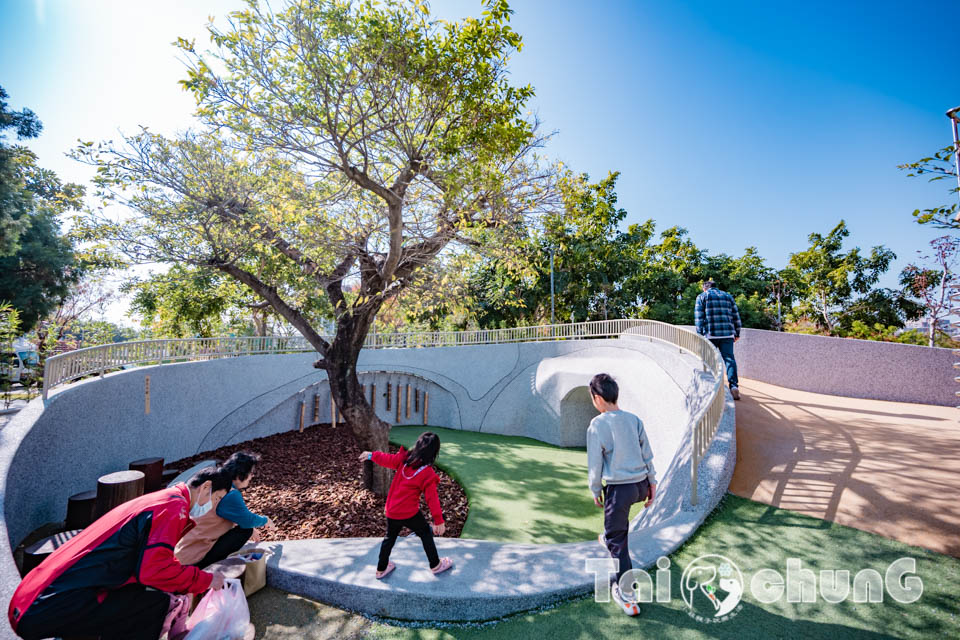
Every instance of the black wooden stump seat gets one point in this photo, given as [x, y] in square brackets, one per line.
[152, 469]
[81, 510]
[116, 488]
[38, 551]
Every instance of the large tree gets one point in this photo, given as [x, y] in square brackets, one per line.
[348, 145]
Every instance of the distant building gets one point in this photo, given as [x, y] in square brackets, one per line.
[923, 326]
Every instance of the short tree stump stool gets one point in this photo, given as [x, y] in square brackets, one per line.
[81, 510]
[38, 551]
[167, 477]
[116, 488]
[152, 469]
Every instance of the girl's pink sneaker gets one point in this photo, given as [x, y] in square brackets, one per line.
[383, 574]
[445, 563]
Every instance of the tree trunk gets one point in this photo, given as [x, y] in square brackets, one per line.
[260, 322]
[932, 332]
[825, 312]
[371, 432]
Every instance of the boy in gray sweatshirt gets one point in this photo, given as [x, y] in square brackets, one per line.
[621, 473]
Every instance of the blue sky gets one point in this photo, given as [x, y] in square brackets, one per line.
[748, 123]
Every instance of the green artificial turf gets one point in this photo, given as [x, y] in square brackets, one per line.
[520, 490]
[754, 536]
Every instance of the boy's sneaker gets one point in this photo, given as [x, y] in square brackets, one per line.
[629, 608]
[735, 392]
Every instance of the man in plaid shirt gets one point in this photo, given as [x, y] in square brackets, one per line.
[717, 317]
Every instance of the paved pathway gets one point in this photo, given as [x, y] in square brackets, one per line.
[890, 468]
[7, 413]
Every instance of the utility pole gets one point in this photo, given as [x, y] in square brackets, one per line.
[954, 115]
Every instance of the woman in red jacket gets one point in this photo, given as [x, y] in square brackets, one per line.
[113, 579]
[414, 477]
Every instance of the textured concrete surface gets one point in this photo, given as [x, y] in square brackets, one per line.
[847, 367]
[493, 579]
[885, 467]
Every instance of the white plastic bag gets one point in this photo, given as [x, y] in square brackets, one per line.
[220, 615]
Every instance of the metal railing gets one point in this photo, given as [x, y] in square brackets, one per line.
[65, 367]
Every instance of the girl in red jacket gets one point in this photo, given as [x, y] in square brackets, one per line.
[414, 476]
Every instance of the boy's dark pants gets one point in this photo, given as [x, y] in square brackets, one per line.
[617, 500]
[417, 524]
[226, 544]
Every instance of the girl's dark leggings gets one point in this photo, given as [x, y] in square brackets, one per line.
[418, 524]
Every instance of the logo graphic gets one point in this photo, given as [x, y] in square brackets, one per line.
[712, 587]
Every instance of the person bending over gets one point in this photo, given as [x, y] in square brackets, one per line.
[227, 528]
[113, 579]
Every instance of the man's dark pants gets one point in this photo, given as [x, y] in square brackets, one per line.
[725, 345]
[129, 613]
[225, 545]
[617, 500]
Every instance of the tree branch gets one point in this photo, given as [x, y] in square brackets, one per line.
[268, 293]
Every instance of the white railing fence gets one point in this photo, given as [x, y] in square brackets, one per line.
[65, 367]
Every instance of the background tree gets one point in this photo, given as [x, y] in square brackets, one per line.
[15, 202]
[783, 286]
[350, 145]
[37, 264]
[9, 330]
[188, 301]
[668, 277]
[838, 285]
[85, 299]
[931, 285]
[92, 332]
[749, 280]
[603, 272]
[588, 251]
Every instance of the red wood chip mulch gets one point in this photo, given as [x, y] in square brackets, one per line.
[310, 485]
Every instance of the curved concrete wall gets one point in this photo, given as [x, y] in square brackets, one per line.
[47, 453]
[848, 367]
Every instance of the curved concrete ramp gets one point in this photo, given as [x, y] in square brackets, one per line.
[493, 579]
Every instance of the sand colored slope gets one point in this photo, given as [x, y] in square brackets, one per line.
[885, 467]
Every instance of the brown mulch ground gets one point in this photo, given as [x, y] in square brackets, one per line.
[310, 485]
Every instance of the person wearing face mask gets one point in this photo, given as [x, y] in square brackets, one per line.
[114, 578]
[223, 530]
